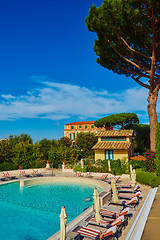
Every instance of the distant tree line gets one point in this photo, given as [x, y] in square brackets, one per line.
[21, 151]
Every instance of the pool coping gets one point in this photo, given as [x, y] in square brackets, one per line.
[39, 180]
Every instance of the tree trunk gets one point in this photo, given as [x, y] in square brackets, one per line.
[151, 108]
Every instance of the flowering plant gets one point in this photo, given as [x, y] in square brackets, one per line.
[150, 161]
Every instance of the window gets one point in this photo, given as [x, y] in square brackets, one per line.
[109, 154]
[72, 136]
[108, 139]
[92, 126]
[80, 126]
[86, 126]
[72, 127]
[113, 139]
[122, 139]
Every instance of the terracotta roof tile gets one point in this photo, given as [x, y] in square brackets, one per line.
[115, 133]
[138, 158]
[112, 145]
[78, 123]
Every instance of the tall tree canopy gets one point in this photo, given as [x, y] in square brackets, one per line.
[128, 42]
[142, 139]
[120, 120]
[85, 142]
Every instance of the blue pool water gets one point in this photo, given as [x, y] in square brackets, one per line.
[32, 213]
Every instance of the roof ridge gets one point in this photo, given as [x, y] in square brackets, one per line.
[111, 145]
[114, 133]
[80, 122]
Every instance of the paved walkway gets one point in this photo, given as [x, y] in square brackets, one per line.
[152, 228]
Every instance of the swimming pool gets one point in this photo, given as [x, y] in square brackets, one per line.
[32, 213]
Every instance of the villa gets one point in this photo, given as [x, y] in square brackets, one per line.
[114, 144]
[71, 130]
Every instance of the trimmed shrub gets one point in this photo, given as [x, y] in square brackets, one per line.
[91, 168]
[77, 168]
[138, 164]
[6, 166]
[147, 178]
[125, 165]
[116, 167]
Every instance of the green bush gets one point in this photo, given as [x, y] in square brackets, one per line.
[138, 164]
[125, 165]
[77, 168]
[91, 168]
[100, 162]
[147, 178]
[5, 166]
[156, 182]
[116, 167]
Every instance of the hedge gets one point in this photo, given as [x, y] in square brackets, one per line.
[6, 166]
[147, 178]
[138, 164]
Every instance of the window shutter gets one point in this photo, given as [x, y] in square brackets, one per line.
[111, 155]
[106, 154]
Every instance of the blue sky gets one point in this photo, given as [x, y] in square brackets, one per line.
[48, 70]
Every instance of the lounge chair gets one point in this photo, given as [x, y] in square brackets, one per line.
[127, 185]
[104, 176]
[130, 203]
[119, 222]
[8, 177]
[129, 196]
[116, 178]
[94, 234]
[78, 174]
[88, 174]
[23, 173]
[113, 215]
[129, 190]
[36, 173]
[4, 179]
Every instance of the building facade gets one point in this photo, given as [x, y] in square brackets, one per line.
[71, 130]
[114, 144]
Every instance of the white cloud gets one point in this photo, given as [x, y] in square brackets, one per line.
[58, 101]
[7, 96]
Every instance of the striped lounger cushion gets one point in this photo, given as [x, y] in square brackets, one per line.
[124, 185]
[6, 174]
[77, 174]
[94, 234]
[106, 212]
[104, 176]
[117, 178]
[108, 224]
[128, 196]
[126, 203]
